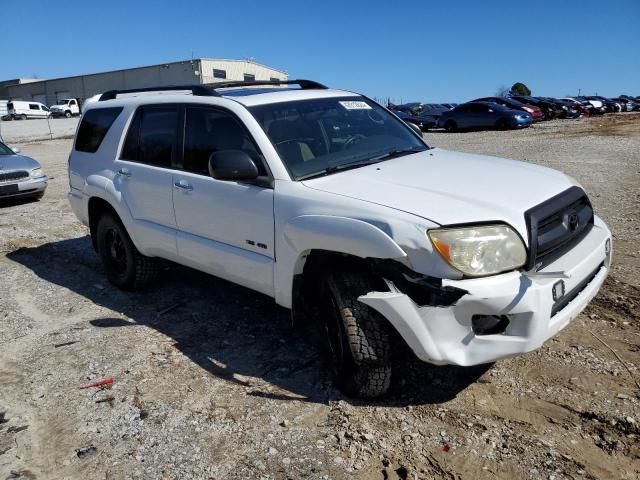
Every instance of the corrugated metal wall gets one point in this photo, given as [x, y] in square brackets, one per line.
[187, 72]
[235, 70]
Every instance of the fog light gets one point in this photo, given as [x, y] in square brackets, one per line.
[489, 324]
[558, 290]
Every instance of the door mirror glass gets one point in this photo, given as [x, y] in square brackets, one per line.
[232, 165]
[15, 149]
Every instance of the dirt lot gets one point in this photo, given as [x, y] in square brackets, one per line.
[212, 383]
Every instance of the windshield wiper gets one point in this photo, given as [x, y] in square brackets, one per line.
[361, 163]
[397, 153]
[339, 168]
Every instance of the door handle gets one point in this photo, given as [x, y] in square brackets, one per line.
[183, 185]
[125, 172]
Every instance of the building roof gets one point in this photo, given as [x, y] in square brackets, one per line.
[38, 80]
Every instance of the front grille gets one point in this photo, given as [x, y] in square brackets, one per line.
[556, 225]
[6, 177]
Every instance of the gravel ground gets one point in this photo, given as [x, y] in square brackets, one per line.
[210, 381]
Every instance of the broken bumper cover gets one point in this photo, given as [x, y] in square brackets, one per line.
[444, 335]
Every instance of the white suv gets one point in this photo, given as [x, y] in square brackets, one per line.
[330, 204]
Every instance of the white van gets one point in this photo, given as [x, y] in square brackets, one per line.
[18, 109]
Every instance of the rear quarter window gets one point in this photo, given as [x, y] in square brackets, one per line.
[93, 128]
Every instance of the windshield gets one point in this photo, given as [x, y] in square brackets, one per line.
[62, 102]
[4, 150]
[314, 136]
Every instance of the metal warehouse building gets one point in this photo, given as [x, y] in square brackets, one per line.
[199, 71]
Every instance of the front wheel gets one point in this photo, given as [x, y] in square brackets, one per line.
[67, 114]
[23, 117]
[450, 126]
[502, 124]
[359, 338]
[126, 267]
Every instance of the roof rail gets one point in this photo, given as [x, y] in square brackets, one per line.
[199, 90]
[304, 84]
[210, 89]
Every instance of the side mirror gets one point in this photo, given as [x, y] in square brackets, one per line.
[232, 165]
[15, 149]
[415, 128]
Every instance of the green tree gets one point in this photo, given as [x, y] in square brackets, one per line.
[520, 88]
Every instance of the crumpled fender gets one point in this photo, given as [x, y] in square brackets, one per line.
[340, 234]
[331, 233]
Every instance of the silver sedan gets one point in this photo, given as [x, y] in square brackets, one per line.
[20, 176]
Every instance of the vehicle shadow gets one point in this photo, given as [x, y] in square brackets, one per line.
[14, 202]
[214, 322]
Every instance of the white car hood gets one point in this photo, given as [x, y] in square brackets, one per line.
[450, 187]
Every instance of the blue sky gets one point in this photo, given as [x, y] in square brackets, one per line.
[408, 50]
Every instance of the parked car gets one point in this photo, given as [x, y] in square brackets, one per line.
[412, 108]
[66, 107]
[628, 104]
[550, 110]
[20, 176]
[599, 108]
[513, 104]
[17, 109]
[326, 202]
[611, 105]
[567, 109]
[584, 106]
[423, 122]
[474, 115]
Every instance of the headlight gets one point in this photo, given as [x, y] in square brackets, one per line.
[36, 173]
[480, 251]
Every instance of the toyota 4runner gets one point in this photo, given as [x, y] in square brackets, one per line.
[330, 204]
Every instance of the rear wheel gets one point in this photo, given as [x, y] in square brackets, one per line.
[126, 267]
[358, 337]
[23, 117]
[450, 126]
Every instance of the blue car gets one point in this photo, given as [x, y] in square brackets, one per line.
[483, 115]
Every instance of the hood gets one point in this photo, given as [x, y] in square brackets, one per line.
[450, 187]
[57, 107]
[17, 162]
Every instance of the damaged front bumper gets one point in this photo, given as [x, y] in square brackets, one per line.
[526, 304]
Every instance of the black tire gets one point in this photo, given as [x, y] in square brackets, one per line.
[23, 117]
[359, 338]
[450, 126]
[125, 266]
[502, 124]
[67, 114]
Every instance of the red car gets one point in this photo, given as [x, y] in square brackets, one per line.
[535, 112]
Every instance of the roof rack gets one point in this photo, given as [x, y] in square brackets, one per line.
[199, 90]
[210, 90]
[304, 84]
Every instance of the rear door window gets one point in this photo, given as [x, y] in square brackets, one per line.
[93, 128]
[152, 136]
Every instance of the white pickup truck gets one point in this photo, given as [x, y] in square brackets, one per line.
[66, 107]
[330, 204]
